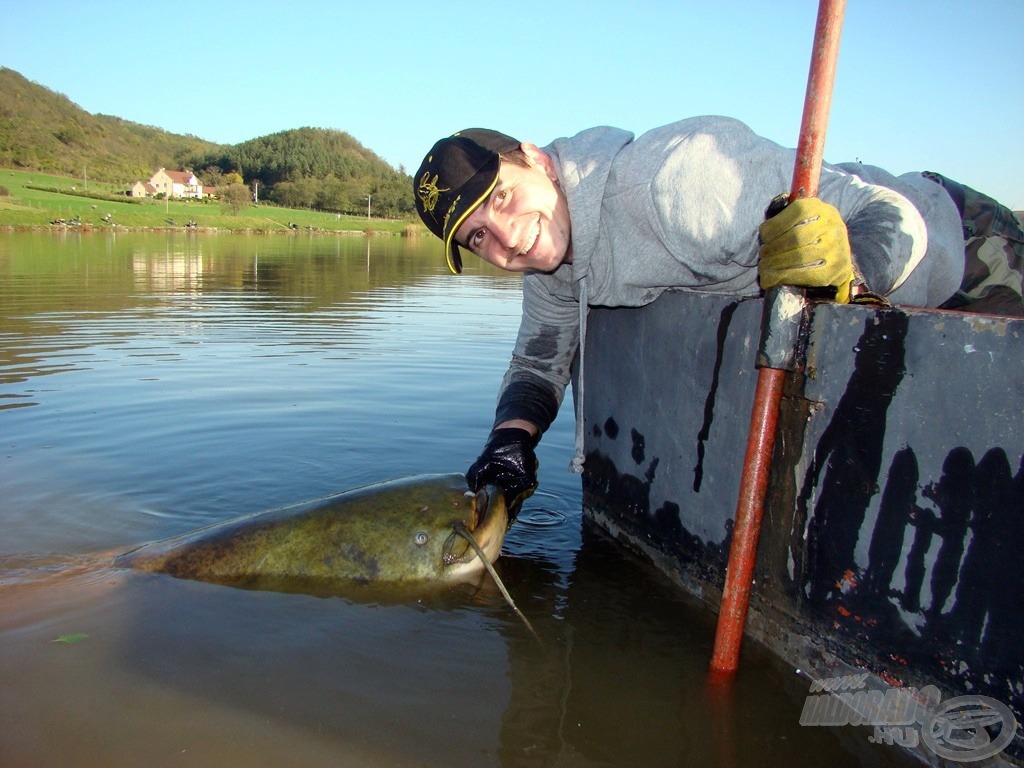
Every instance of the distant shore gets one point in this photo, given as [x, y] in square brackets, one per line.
[36, 201]
[92, 228]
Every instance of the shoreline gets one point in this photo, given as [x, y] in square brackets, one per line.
[195, 230]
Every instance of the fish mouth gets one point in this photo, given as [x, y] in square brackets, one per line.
[487, 526]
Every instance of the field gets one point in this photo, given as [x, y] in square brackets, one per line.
[26, 207]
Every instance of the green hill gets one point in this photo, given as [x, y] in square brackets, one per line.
[312, 168]
[41, 130]
[315, 168]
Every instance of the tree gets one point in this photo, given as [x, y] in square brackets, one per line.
[211, 176]
[331, 196]
[235, 197]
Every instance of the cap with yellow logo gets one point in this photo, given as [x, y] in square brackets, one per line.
[455, 177]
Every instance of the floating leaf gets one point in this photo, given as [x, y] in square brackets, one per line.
[75, 638]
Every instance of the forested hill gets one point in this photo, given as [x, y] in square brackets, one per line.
[306, 167]
[312, 168]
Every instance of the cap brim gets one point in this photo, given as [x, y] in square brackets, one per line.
[454, 257]
[451, 248]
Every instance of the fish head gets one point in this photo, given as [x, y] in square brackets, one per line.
[487, 523]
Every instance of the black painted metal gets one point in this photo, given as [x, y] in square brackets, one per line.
[894, 526]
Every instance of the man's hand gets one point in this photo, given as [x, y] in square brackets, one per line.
[806, 245]
[507, 461]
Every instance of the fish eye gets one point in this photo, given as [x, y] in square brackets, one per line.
[420, 538]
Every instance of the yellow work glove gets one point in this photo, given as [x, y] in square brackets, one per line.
[806, 245]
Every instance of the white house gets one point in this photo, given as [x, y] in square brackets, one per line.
[173, 184]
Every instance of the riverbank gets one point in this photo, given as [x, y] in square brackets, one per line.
[38, 201]
[90, 228]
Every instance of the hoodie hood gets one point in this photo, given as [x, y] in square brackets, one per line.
[584, 163]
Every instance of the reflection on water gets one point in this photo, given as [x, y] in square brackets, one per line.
[178, 271]
[151, 384]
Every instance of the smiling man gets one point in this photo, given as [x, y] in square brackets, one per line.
[516, 219]
[524, 224]
[606, 219]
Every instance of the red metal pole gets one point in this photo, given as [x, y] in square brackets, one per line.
[818, 99]
[768, 395]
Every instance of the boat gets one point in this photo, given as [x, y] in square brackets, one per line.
[893, 523]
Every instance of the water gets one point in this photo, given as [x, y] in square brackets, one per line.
[152, 384]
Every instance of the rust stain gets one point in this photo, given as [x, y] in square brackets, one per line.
[890, 679]
[989, 324]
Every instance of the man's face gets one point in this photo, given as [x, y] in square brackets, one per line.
[524, 225]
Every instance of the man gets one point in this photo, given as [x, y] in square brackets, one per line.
[605, 219]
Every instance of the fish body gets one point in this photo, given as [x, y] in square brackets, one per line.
[395, 532]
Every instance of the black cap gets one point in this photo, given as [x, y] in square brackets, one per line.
[455, 177]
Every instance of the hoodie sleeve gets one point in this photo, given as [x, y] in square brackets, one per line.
[888, 235]
[534, 385]
[711, 179]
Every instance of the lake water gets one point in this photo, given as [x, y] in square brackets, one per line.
[151, 384]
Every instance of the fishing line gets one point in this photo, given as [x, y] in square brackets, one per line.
[460, 528]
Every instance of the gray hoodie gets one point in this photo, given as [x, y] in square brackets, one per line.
[679, 207]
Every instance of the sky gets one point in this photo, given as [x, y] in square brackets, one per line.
[920, 85]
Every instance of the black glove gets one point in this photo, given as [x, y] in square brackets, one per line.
[507, 461]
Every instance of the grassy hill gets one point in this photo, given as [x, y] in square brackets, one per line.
[41, 130]
[309, 168]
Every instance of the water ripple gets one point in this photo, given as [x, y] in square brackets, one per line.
[541, 518]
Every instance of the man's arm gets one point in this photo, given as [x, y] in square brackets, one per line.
[888, 236]
[523, 424]
[531, 392]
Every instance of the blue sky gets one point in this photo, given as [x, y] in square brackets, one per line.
[921, 84]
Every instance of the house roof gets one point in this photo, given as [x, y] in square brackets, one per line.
[181, 177]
